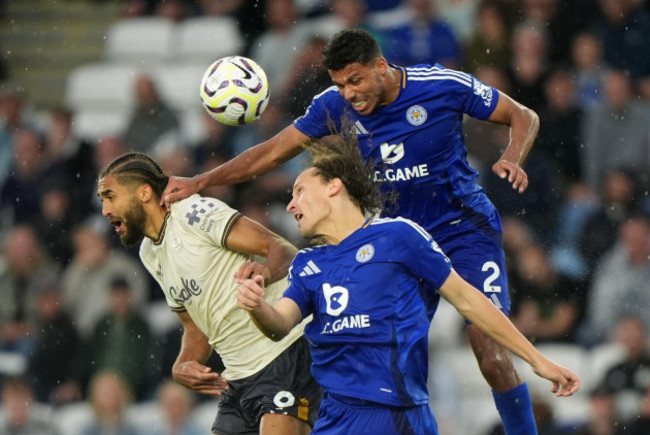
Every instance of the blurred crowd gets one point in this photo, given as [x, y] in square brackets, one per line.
[76, 305]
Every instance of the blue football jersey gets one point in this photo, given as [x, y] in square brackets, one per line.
[370, 322]
[417, 143]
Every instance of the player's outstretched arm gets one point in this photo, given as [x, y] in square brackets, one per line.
[476, 308]
[253, 162]
[188, 370]
[251, 238]
[274, 322]
[524, 125]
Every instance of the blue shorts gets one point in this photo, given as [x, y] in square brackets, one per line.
[346, 415]
[476, 254]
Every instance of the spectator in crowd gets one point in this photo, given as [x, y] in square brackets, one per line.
[56, 343]
[110, 397]
[620, 284]
[22, 414]
[602, 418]
[624, 28]
[153, 125]
[490, 45]
[177, 404]
[619, 197]
[121, 341]
[87, 280]
[25, 269]
[21, 192]
[559, 140]
[529, 63]
[13, 117]
[616, 132]
[425, 38]
[628, 380]
[589, 68]
[546, 306]
[275, 49]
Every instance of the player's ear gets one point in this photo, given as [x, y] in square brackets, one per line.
[145, 193]
[334, 186]
[381, 65]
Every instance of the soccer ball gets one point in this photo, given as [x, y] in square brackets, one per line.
[234, 90]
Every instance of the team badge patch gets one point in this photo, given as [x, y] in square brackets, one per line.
[416, 115]
[365, 253]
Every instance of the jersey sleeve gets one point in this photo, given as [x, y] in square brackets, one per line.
[297, 291]
[474, 97]
[421, 255]
[206, 218]
[316, 120]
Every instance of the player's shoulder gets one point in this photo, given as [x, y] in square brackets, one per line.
[424, 73]
[197, 208]
[399, 227]
[305, 261]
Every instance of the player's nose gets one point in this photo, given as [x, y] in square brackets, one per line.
[105, 209]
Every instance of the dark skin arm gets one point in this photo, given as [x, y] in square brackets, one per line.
[524, 125]
[188, 370]
[249, 237]
[255, 161]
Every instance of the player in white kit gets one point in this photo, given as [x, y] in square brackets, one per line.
[194, 252]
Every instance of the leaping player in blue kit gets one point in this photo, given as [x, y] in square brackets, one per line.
[409, 120]
[368, 336]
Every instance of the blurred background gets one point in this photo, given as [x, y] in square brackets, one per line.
[85, 334]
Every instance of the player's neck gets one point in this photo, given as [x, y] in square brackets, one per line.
[342, 224]
[156, 216]
[393, 83]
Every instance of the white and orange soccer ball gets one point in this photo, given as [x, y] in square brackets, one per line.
[234, 90]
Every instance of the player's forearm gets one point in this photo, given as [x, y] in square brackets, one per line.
[194, 348]
[255, 161]
[524, 125]
[270, 322]
[279, 258]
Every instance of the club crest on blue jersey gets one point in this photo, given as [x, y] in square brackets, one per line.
[365, 253]
[416, 115]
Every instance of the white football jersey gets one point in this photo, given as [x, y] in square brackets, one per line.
[191, 261]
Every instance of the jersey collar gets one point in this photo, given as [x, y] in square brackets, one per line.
[163, 228]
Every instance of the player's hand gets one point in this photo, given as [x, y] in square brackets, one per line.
[250, 295]
[515, 174]
[178, 188]
[565, 382]
[249, 269]
[199, 378]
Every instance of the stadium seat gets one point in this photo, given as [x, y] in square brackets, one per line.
[92, 124]
[599, 359]
[179, 83]
[206, 39]
[101, 86]
[73, 418]
[140, 41]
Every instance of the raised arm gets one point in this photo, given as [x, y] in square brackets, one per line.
[524, 125]
[476, 308]
[251, 238]
[274, 321]
[189, 369]
[253, 162]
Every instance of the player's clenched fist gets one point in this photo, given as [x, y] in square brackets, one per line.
[251, 294]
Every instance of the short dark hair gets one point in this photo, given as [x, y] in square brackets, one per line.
[338, 156]
[137, 167]
[350, 46]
